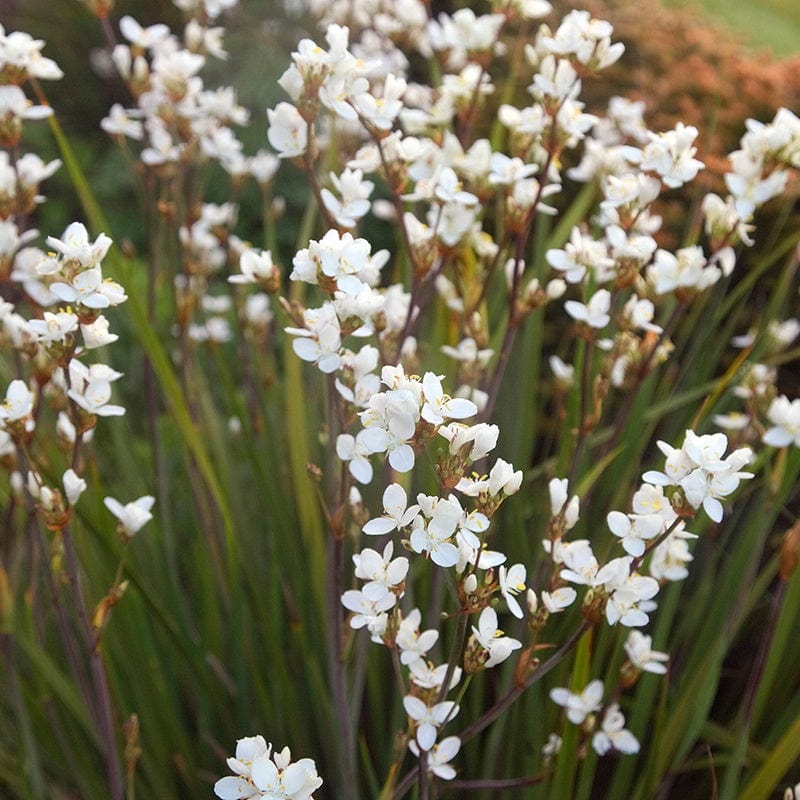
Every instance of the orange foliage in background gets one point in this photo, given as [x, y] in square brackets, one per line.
[688, 69]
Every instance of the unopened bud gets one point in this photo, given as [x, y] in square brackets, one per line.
[594, 606]
[790, 552]
[556, 288]
[100, 8]
[17, 484]
[628, 675]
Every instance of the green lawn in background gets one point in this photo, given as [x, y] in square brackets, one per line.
[763, 24]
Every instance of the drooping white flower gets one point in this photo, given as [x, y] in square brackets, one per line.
[559, 502]
[642, 656]
[96, 334]
[559, 599]
[74, 486]
[132, 516]
[512, 582]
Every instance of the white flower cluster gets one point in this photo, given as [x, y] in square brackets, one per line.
[700, 470]
[180, 124]
[51, 346]
[261, 774]
[418, 142]
[582, 708]
[770, 417]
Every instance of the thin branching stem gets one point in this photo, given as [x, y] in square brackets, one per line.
[489, 716]
[102, 692]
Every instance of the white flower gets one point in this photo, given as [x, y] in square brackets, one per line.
[579, 706]
[579, 254]
[288, 131]
[279, 779]
[320, 341]
[438, 406]
[668, 561]
[435, 541]
[785, 419]
[96, 334]
[635, 529]
[120, 123]
[368, 613]
[559, 599]
[354, 451]
[428, 718]
[18, 404]
[688, 268]
[74, 486]
[239, 786]
[482, 436]
[383, 573]
[594, 313]
[133, 516]
[699, 469]
[628, 602]
[54, 327]
[582, 565]
[613, 735]
[425, 675]
[512, 582]
[491, 638]
[640, 654]
[559, 490]
[76, 245]
[670, 154]
[381, 112]
[439, 756]
[396, 512]
[256, 265]
[354, 192]
[413, 644]
[90, 388]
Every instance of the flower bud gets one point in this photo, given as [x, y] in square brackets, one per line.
[790, 553]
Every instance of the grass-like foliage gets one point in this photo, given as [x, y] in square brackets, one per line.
[454, 446]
